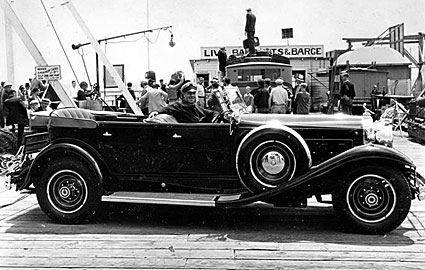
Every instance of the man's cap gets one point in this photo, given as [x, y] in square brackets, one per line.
[345, 74]
[248, 9]
[304, 85]
[21, 87]
[34, 102]
[279, 81]
[7, 84]
[189, 86]
[222, 48]
[214, 80]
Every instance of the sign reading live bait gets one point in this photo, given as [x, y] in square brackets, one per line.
[293, 51]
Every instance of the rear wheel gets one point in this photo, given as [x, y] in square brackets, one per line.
[69, 191]
[372, 199]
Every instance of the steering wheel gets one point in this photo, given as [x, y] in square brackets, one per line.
[221, 117]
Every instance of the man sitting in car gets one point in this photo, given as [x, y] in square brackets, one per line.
[186, 111]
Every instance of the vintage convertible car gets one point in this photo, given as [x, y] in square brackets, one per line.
[89, 157]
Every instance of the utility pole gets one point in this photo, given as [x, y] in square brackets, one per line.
[147, 23]
[10, 55]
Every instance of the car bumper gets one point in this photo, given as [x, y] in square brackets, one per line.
[420, 187]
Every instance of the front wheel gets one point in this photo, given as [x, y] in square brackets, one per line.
[372, 199]
[69, 191]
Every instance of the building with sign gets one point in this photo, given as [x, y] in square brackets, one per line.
[308, 63]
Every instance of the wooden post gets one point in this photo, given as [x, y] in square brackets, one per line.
[32, 48]
[95, 44]
[10, 63]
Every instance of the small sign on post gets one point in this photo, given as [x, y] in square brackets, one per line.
[48, 73]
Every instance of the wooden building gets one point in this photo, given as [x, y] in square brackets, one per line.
[380, 59]
[308, 62]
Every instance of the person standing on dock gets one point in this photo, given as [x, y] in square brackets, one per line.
[347, 95]
[250, 30]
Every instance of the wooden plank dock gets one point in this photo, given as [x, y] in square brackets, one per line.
[253, 237]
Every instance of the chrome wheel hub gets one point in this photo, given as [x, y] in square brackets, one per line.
[371, 198]
[273, 162]
[67, 191]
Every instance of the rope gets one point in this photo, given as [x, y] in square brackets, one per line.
[156, 39]
[60, 42]
[84, 63]
[124, 41]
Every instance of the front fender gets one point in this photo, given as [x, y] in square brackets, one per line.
[60, 147]
[363, 153]
[368, 152]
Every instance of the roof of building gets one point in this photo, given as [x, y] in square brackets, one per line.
[367, 55]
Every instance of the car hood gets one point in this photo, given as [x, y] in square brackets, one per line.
[300, 121]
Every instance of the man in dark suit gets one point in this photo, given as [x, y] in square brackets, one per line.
[222, 61]
[347, 94]
[250, 30]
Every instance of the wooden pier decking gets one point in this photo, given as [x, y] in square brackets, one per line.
[168, 237]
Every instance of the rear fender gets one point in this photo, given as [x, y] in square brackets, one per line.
[360, 154]
[60, 148]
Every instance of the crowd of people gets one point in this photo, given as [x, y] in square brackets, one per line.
[279, 99]
[201, 100]
[216, 96]
[16, 106]
[261, 99]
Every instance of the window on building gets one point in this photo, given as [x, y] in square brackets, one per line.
[251, 75]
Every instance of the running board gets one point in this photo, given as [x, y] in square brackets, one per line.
[169, 198]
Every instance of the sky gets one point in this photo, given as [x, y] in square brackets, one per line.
[194, 24]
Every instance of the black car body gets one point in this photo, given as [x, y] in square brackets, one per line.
[88, 157]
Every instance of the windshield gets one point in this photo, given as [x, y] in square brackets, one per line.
[234, 101]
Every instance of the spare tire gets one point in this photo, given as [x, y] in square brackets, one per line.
[270, 156]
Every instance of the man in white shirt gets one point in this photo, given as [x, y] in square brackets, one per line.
[278, 100]
[232, 92]
[200, 93]
[73, 90]
[156, 98]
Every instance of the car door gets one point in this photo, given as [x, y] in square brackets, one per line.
[125, 146]
[189, 149]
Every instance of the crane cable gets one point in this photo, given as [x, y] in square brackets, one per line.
[60, 42]
[85, 66]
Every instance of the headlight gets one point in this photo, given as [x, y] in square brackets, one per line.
[379, 133]
[384, 136]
